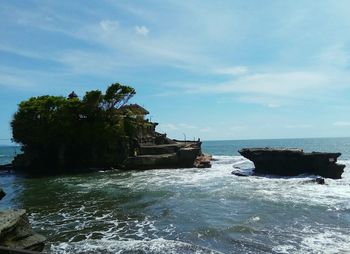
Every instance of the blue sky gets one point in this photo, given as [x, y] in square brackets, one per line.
[209, 69]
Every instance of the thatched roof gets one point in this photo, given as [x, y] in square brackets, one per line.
[72, 95]
[134, 109]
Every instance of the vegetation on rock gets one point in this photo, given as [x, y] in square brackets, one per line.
[58, 133]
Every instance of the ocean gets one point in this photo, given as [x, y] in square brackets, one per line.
[189, 210]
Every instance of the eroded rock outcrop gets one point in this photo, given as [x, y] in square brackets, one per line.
[17, 233]
[203, 161]
[6, 167]
[2, 193]
[175, 155]
[291, 162]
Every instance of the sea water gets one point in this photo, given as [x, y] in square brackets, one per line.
[190, 210]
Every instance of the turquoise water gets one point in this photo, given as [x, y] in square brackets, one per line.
[178, 210]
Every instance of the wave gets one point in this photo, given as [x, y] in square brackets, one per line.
[328, 241]
[156, 246]
[135, 211]
[218, 179]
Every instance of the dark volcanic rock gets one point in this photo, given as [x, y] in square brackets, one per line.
[291, 162]
[177, 155]
[320, 180]
[2, 193]
[6, 167]
[238, 173]
[187, 156]
[151, 161]
[159, 149]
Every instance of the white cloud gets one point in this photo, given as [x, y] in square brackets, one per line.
[129, 49]
[168, 126]
[274, 83]
[109, 25]
[234, 70]
[166, 49]
[25, 53]
[334, 56]
[272, 105]
[186, 126]
[13, 80]
[184, 130]
[297, 126]
[342, 124]
[265, 100]
[22, 79]
[205, 129]
[141, 30]
[178, 126]
[274, 89]
[83, 62]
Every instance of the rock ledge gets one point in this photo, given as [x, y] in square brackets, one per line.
[16, 232]
[292, 162]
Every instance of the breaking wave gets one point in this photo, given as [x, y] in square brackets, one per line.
[157, 246]
[189, 211]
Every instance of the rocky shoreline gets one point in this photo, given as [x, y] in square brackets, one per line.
[16, 231]
[173, 154]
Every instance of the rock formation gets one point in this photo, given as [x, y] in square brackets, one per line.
[176, 154]
[291, 162]
[16, 232]
[6, 167]
[238, 173]
[2, 193]
[203, 161]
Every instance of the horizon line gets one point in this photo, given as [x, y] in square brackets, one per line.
[250, 139]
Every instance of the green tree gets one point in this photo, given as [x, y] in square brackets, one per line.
[117, 96]
[58, 133]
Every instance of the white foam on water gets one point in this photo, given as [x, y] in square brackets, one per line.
[156, 246]
[297, 189]
[284, 249]
[217, 184]
[328, 241]
[85, 223]
[135, 180]
[334, 194]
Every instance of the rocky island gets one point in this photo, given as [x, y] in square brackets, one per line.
[71, 134]
[98, 131]
[292, 162]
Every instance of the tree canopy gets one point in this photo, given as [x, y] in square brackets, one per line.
[59, 133]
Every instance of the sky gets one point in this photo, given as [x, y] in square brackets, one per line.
[217, 70]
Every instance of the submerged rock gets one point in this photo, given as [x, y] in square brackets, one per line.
[238, 173]
[320, 180]
[17, 233]
[2, 193]
[292, 162]
[203, 161]
[6, 167]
